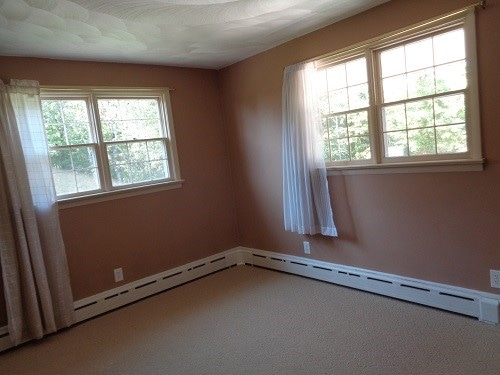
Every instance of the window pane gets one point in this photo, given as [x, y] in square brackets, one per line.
[159, 170]
[156, 150]
[449, 47]
[360, 148]
[66, 122]
[451, 77]
[337, 127]
[321, 82]
[393, 62]
[138, 151]
[358, 96]
[324, 105]
[83, 157]
[338, 100]
[132, 162]
[339, 149]
[61, 159]
[358, 123]
[120, 174]
[347, 87]
[356, 72]
[396, 144]
[140, 172]
[394, 117]
[118, 153]
[450, 109]
[394, 88]
[419, 55]
[422, 142]
[420, 114]
[451, 139]
[87, 179]
[326, 149]
[421, 83]
[127, 119]
[64, 182]
[74, 170]
[336, 76]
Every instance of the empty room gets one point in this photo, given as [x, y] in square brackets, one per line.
[249, 187]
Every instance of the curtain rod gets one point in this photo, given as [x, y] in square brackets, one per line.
[481, 4]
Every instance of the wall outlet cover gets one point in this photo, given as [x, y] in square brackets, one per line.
[495, 278]
[118, 275]
[307, 247]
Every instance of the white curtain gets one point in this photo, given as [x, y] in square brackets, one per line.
[306, 200]
[35, 275]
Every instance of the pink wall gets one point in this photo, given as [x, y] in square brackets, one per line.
[150, 233]
[442, 227]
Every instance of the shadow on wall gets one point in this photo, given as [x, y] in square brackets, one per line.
[342, 212]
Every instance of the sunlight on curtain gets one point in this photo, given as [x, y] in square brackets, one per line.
[306, 200]
[35, 275]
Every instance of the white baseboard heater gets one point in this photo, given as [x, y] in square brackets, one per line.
[484, 306]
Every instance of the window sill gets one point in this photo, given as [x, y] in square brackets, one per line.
[117, 194]
[423, 167]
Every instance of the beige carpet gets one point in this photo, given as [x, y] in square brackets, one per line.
[249, 320]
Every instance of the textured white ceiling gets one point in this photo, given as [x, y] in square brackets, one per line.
[191, 33]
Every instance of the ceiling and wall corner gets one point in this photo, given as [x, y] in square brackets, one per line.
[189, 33]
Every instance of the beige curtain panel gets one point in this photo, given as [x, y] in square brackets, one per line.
[35, 275]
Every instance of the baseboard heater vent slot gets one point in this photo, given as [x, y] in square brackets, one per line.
[455, 296]
[322, 268]
[84, 306]
[380, 280]
[172, 275]
[112, 296]
[278, 259]
[143, 285]
[354, 274]
[217, 260]
[298, 263]
[259, 256]
[198, 266]
[415, 287]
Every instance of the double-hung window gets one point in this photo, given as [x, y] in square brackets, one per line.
[104, 140]
[403, 100]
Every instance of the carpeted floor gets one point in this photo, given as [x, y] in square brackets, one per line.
[247, 320]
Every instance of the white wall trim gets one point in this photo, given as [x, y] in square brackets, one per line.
[482, 305]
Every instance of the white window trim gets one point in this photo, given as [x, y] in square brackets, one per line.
[107, 191]
[470, 161]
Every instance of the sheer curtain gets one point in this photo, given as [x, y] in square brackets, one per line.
[306, 200]
[35, 276]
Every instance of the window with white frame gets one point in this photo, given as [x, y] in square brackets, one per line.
[405, 99]
[104, 140]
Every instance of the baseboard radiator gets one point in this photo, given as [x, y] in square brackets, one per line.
[481, 305]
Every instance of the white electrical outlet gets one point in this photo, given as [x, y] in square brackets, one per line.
[118, 275]
[307, 247]
[495, 278]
